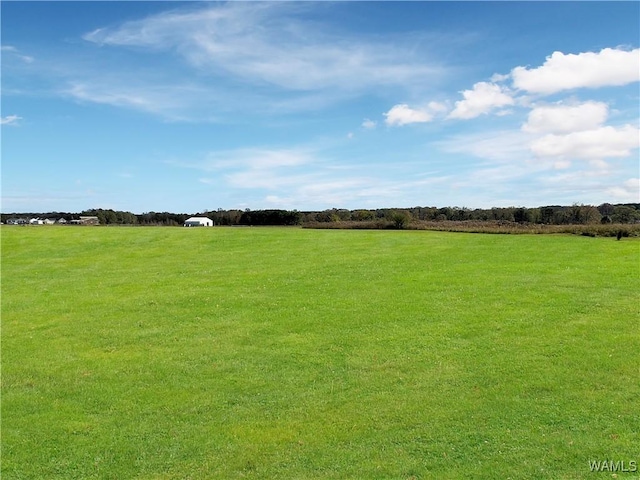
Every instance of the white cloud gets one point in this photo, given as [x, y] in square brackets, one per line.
[633, 184]
[596, 144]
[402, 114]
[482, 99]
[628, 191]
[497, 77]
[561, 164]
[437, 107]
[10, 120]
[368, 124]
[562, 118]
[609, 67]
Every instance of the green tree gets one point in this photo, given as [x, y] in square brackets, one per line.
[361, 215]
[400, 219]
[624, 214]
[522, 215]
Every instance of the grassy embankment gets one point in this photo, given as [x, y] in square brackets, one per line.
[159, 353]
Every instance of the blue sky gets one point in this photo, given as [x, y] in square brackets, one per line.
[193, 106]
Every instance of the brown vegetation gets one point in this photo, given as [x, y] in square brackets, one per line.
[478, 226]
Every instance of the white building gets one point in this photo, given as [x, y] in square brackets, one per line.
[198, 222]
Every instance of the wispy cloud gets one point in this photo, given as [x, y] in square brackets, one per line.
[369, 124]
[10, 120]
[269, 44]
[172, 101]
[509, 172]
[14, 52]
[257, 158]
[499, 146]
[210, 62]
[291, 177]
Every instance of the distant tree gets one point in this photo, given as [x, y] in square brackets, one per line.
[110, 217]
[625, 214]
[503, 214]
[400, 218]
[270, 217]
[590, 214]
[461, 214]
[126, 218]
[605, 209]
[482, 215]
[522, 215]
[326, 216]
[534, 215]
[445, 213]
[361, 215]
[343, 214]
[547, 215]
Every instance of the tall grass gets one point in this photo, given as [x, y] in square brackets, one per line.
[159, 353]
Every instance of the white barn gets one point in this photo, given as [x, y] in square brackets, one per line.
[198, 222]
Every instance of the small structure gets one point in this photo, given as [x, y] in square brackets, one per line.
[85, 221]
[198, 222]
[90, 220]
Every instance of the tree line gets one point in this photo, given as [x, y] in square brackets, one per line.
[577, 214]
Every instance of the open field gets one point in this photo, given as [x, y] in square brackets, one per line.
[166, 353]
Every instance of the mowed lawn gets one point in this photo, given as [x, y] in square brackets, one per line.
[224, 353]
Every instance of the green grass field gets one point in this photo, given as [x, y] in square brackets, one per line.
[224, 353]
